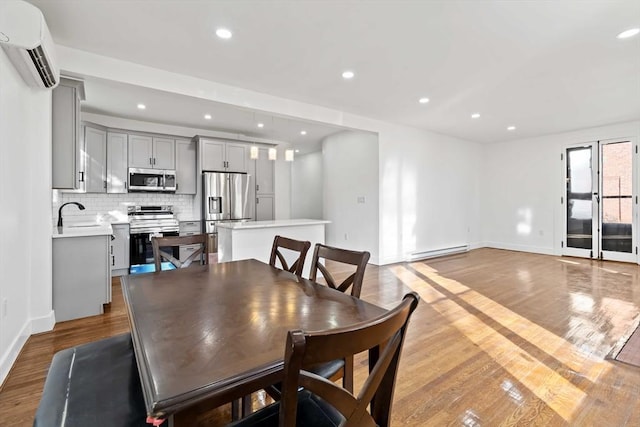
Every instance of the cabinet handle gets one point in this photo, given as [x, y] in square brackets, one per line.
[113, 261]
[257, 200]
[105, 183]
[151, 161]
[111, 251]
[81, 176]
[154, 161]
[257, 187]
[177, 186]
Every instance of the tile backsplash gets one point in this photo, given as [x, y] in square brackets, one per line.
[100, 205]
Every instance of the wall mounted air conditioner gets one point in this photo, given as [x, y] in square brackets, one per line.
[26, 39]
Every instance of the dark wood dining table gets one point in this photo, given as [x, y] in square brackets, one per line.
[215, 333]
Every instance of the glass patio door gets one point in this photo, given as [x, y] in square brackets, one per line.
[600, 201]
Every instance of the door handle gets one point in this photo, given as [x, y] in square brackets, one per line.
[597, 197]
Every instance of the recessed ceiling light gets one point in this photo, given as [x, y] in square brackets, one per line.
[303, 132]
[511, 128]
[297, 151]
[348, 75]
[475, 116]
[423, 100]
[141, 106]
[629, 33]
[223, 33]
[260, 125]
[207, 116]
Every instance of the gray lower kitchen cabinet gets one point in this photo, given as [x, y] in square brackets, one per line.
[188, 228]
[67, 172]
[117, 162]
[185, 167]
[81, 276]
[120, 250]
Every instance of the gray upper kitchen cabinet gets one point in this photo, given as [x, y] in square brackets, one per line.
[116, 162]
[95, 149]
[185, 167]
[236, 155]
[223, 156]
[67, 172]
[151, 152]
[264, 173]
[164, 153]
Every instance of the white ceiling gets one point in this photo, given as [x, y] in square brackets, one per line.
[121, 100]
[543, 66]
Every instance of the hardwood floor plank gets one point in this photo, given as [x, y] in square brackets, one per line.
[500, 339]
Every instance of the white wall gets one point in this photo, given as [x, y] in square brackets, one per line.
[350, 190]
[306, 186]
[429, 192]
[523, 183]
[25, 212]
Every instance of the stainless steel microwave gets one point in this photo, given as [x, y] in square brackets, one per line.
[152, 180]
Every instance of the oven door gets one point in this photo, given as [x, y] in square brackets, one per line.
[141, 253]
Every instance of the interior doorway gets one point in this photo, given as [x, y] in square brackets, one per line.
[600, 200]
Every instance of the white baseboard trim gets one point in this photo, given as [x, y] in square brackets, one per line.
[44, 323]
[520, 248]
[34, 326]
[10, 356]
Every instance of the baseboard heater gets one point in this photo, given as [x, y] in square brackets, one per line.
[433, 253]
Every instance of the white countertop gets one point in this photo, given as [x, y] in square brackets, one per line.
[82, 229]
[249, 225]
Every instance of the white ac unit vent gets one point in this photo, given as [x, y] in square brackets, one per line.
[26, 39]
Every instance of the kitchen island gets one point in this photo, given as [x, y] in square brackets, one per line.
[81, 269]
[253, 239]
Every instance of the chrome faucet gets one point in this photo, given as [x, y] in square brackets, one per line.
[79, 205]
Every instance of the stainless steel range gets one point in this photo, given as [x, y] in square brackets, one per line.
[144, 223]
[152, 219]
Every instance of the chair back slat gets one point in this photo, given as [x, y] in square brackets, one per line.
[382, 337]
[302, 247]
[356, 258]
[176, 241]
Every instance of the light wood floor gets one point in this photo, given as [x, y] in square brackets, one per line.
[500, 338]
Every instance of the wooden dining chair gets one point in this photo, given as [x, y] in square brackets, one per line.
[309, 400]
[302, 247]
[323, 253]
[343, 256]
[200, 253]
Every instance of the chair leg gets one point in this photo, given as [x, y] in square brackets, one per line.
[247, 405]
[347, 378]
[236, 406]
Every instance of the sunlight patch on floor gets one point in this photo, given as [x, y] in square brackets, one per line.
[547, 384]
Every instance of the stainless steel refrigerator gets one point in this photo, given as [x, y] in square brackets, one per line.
[225, 197]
